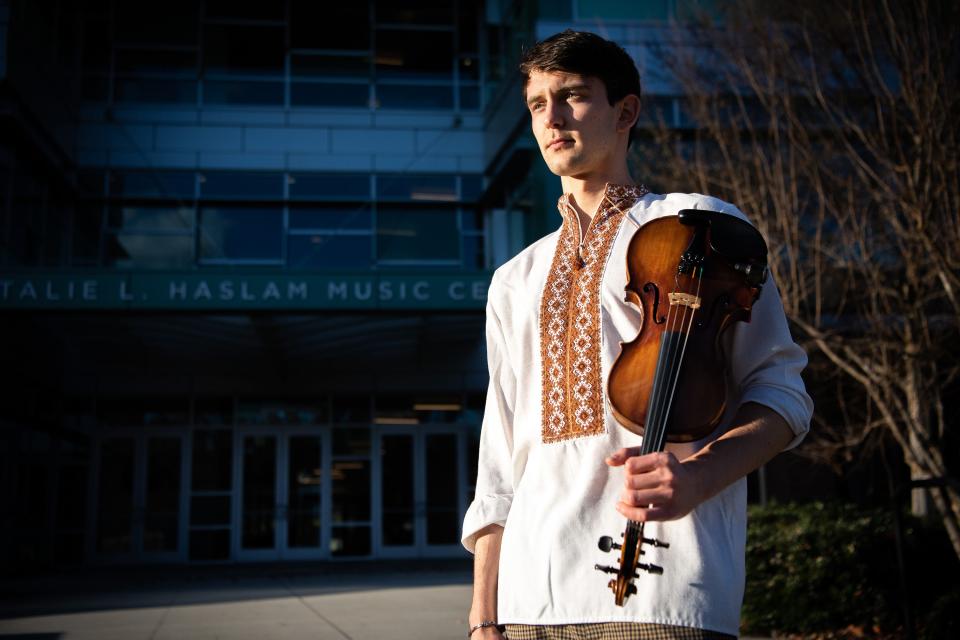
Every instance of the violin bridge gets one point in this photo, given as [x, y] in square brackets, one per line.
[685, 300]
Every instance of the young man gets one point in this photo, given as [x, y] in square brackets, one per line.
[556, 471]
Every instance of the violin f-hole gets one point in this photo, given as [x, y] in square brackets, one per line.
[651, 287]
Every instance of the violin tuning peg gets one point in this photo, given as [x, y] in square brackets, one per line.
[605, 569]
[606, 543]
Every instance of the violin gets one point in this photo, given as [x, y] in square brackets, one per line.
[690, 277]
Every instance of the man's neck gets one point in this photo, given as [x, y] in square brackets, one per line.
[587, 193]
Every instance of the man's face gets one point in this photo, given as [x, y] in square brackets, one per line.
[575, 126]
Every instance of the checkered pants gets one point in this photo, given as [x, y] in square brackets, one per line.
[610, 631]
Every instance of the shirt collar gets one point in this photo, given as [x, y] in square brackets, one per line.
[616, 197]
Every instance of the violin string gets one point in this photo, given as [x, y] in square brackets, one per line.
[685, 340]
[655, 420]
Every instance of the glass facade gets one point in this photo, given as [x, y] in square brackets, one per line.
[371, 54]
[176, 219]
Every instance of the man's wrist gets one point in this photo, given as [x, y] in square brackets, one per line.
[486, 629]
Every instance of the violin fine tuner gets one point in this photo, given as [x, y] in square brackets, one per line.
[630, 551]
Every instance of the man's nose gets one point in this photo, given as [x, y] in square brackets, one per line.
[553, 114]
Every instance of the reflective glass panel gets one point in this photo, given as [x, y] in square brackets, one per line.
[162, 510]
[155, 61]
[326, 65]
[243, 49]
[209, 510]
[242, 92]
[213, 411]
[166, 23]
[272, 411]
[115, 504]
[143, 410]
[397, 489]
[471, 187]
[303, 490]
[241, 185]
[136, 250]
[618, 10]
[241, 232]
[259, 492]
[353, 218]
[421, 55]
[417, 234]
[152, 184]
[347, 186]
[420, 12]
[351, 409]
[329, 251]
[424, 188]
[155, 90]
[244, 9]
[392, 96]
[473, 257]
[151, 218]
[330, 94]
[351, 490]
[443, 518]
[350, 541]
[351, 441]
[311, 26]
[469, 98]
[212, 460]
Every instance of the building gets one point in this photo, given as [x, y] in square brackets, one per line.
[244, 252]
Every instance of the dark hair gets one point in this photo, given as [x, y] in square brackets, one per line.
[586, 54]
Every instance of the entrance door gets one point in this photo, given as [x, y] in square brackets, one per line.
[257, 535]
[420, 489]
[305, 495]
[280, 502]
[140, 497]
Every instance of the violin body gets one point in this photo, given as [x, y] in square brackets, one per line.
[724, 297]
[689, 277]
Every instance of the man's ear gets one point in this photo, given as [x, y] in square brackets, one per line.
[629, 112]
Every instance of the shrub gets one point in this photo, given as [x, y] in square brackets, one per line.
[821, 567]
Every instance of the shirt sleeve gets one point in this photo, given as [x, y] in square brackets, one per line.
[494, 488]
[766, 364]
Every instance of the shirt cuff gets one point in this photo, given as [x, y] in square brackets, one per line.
[484, 511]
[794, 408]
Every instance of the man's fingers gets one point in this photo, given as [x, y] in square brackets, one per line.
[644, 497]
[619, 457]
[644, 514]
[649, 462]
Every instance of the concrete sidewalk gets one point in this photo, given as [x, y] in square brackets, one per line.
[329, 601]
[423, 600]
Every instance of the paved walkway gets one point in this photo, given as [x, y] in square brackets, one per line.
[397, 601]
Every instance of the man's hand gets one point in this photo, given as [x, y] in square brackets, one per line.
[657, 486]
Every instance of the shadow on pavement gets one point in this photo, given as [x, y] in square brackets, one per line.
[117, 588]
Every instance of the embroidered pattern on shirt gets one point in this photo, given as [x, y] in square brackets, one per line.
[572, 394]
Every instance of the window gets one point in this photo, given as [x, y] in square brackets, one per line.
[332, 186]
[152, 184]
[417, 235]
[241, 185]
[237, 233]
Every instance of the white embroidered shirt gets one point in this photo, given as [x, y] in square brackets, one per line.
[555, 321]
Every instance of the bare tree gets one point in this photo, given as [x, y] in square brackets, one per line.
[836, 127]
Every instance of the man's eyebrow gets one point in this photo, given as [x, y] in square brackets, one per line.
[565, 89]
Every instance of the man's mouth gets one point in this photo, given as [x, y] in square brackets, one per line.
[558, 143]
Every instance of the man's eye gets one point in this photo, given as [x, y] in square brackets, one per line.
[536, 106]
[573, 96]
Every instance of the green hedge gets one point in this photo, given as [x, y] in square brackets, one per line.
[830, 570]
